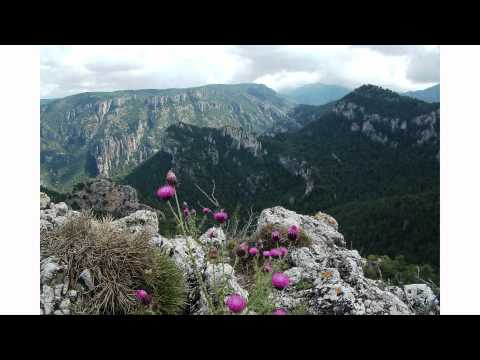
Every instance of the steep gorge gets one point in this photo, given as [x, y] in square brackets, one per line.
[110, 133]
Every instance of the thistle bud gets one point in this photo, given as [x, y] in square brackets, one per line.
[171, 178]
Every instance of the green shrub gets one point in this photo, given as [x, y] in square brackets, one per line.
[397, 271]
[259, 298]
[304, 284]
[166, 283]
[261, 288]
[300, 309]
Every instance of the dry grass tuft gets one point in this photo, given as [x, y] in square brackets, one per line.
[117, 261]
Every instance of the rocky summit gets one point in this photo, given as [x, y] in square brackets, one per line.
[326, 278]
[104, 196]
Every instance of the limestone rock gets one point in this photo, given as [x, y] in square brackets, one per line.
[329, 220]
[45, 225]
[72, 295]
[65, 305]
[47, 299]
[103, 195]
[138, 221]
[338, 285]
[180, 248]
[419, 297]
[44, 200]
[61, 209]
[86, 277]
[213, 236]
[55, 215]
[219, 274]
[295, 274]
[49, 268]
[317, 230]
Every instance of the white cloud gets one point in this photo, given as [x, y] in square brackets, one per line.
[67, 70]
[287, 80]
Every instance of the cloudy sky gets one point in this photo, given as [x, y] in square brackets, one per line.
[67, 70]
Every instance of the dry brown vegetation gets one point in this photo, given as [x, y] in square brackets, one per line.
[118, 262]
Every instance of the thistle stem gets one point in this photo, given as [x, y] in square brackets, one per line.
[190, 254]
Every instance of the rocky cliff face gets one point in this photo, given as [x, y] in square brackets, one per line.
[112, 153]
[109, 133]
[325, 277]
[387, 117]
[386, 130]
[299, 168]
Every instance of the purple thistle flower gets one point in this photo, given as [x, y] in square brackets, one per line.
[242, 249]
[283, 251]
[166, 192]
[280, 311]
[186, 213]
[275, 236]
[206, 211]
[236, 303]
[293, 232]
[143, 297]
[280, 280]
[275, 253]
[220, 216]
[266, 253]
[171, 178]
[252, 251]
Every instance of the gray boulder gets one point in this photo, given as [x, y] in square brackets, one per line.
[326, 277]
[319, 231]
[44, 200]
[213, 236]
[180, 249]
[419, 297]
[139, 221]
[86, 277]
[61, 209]
[219, 274]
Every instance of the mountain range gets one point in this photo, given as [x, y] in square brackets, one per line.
[108, 134]
[316, 94]
[370, 158]
[431, 94]
[321, 94]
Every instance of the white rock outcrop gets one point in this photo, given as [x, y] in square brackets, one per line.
[325, 277]
[138, 221]
[329, 279]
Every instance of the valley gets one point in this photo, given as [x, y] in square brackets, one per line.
[369, 158]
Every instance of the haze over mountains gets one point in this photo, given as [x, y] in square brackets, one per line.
[366, 153]
[320, 94]
[316, 94]
[431, 94]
